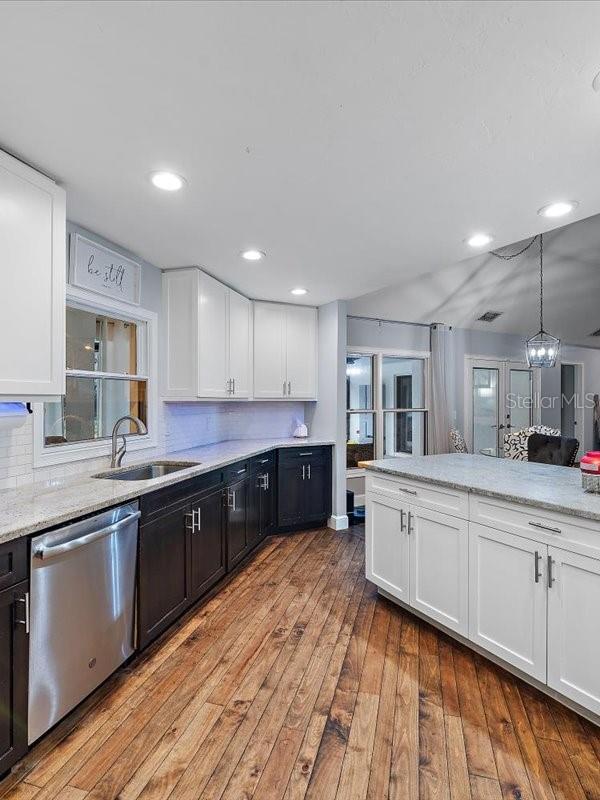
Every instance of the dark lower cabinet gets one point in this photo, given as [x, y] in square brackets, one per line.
[164, 571]
[14, 673]
[238, 520]
[303, 487]
[208, 560]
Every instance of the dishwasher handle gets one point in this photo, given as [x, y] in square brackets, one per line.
[46, 553]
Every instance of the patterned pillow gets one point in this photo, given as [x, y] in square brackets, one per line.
[515, 443]
[457, 441]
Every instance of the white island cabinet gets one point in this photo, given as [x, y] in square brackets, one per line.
[467, 543]
[32, 297]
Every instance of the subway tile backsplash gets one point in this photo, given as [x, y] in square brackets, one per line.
[181, 425]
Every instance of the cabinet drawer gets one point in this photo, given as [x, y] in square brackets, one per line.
[438, 498]
[236, 472]
[13, 562]
[263, 462]
[300, 454]
[160, 501]
[560, 530]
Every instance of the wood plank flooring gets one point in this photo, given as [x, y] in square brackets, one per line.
[297, 681]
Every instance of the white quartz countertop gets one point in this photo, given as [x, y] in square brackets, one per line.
[43, 505]
[542, 485]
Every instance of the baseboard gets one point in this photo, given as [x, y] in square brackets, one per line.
[338, 522]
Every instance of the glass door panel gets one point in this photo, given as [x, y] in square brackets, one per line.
[486, 409]
[520, 399]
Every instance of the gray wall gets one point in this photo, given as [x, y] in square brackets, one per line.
[327, 418]
[396, 336]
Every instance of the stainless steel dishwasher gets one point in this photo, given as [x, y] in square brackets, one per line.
[81, 612]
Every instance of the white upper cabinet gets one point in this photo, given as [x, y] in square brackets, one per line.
[207, 338]
[240, 344]
[33, 270]
[285, 352]
[214, 379]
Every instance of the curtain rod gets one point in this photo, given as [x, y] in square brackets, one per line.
[390, 321]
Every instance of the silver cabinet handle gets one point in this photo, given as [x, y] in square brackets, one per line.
[309, 472]
[550, 578]
[233, 498]
[289, 387]
[408, 491]
[82, 541]
[284, 387]
[241, 471]
[195, 522]
[537, 571]
[233, 386]
[190, 515]
[228, 386]
[199, 523]
[25, 601]
[402, 513]
[305, 454]
[410, 522]
[264, 461]
[303, 472]
[545, 527]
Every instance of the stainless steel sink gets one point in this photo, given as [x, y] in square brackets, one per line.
[146, 472]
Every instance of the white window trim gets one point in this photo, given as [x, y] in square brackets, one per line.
[78, 451]
[377, 410]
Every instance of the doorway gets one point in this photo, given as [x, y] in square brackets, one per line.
[571, 406]
[499, 397]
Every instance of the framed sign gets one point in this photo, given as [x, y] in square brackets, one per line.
[104, 271]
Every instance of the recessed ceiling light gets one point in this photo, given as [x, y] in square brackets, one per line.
[253, 255]
[299, 291]
[167, 181]
[558, 209]
[479, 240]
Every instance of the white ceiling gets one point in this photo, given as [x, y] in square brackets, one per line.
[460, 293]
[358, 143]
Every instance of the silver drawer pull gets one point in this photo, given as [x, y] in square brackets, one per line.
[305, 454]
[240, 471]
[25, 621]
[545, 527]
[408, 491]
[538, 573]
[264, 461]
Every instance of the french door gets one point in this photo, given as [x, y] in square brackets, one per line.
[499, 397]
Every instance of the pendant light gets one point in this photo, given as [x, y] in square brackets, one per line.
[542, 349]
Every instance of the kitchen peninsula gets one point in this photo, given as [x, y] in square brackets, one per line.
[504, 555]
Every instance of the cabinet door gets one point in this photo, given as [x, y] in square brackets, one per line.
[317, 490]
[32, 300]
[240, 338]
[180, 333]
[14, 670]
[207, 543]
[439, 561]
[301, 352]
[213, 339]
[574, 627]
[507, 598]
[164, 591]
[269, 351]
[387, 546]
[290, 492]
[238, 506]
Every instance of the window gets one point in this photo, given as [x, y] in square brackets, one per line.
[105, 379]
[386, 406]
[360, 419]
[108, 355]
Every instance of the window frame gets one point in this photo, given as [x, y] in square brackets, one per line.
[378, 354]
[147, 348]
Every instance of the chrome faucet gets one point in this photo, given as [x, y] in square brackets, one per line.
[116, 456]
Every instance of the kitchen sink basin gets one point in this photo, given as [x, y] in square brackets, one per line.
[146, 472]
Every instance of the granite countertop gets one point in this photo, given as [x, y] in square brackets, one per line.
[43, 505]
[542, 485]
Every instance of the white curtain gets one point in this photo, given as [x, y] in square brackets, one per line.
[442, 417]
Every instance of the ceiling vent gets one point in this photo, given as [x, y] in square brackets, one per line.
[489, 316]
[595, 333]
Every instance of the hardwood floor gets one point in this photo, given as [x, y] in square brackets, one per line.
[297, 681]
